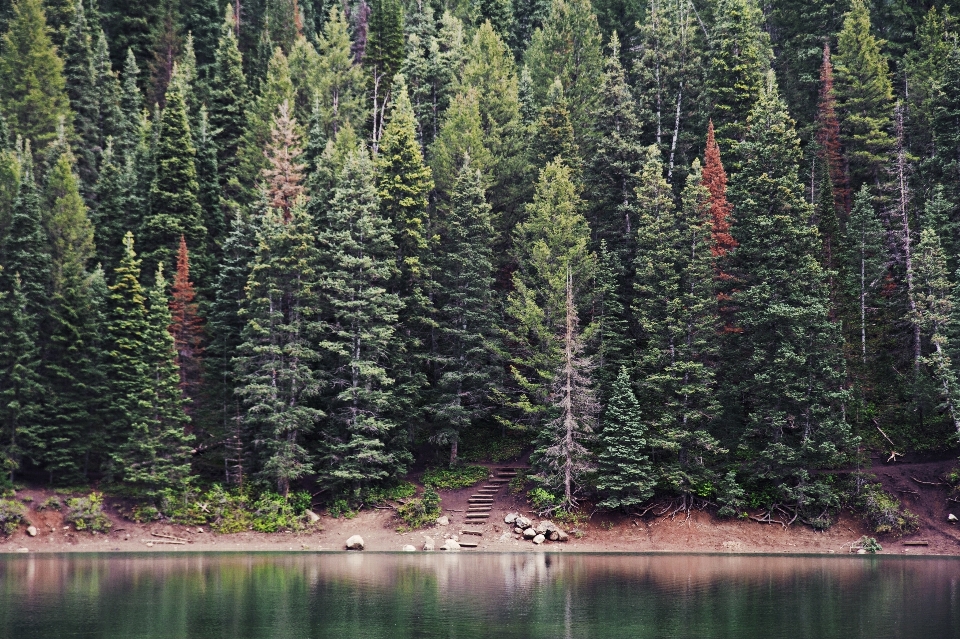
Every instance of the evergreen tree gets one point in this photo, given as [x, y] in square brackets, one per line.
[864, 98]
[228, 101]
[81, 89]
[208, 187]
[530, 15]
[788, 365]
[277, 362]
[714, 179]
[626, 476]
[736, 69]
[107, 92]
[568, 48]
[129, 134]
[864, 264]
[186, 327]
[357, 263]
[284, 174]
[828, 141]
[304, 64]
[383, 55]
[114, 213]
[174, 208]
[553, 134]
[21, 390]
[550, 246]
[499, 14]
[26, 254]
[466, 315]
[612, 170]
[340, 86]
[131, 27]
[461, 136]
[202, 18]
[32, 95]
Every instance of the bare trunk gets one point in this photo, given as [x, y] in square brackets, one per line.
[904, 194]
[569, 420]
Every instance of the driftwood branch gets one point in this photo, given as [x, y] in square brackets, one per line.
[927, 483]
[163, 541]
[178, 539]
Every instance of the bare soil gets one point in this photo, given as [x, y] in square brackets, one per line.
[917, 482]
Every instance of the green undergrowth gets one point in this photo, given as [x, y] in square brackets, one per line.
[86, 513]
[883, 511]
[454, 478]
[12, 514]
[494, 444]
[419, 511]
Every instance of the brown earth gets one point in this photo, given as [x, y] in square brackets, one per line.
[918, 483]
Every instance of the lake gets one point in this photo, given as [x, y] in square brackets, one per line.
[473, 595]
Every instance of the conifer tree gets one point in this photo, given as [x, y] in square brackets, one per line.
[357, 262]
[626, 476]
[26, 253]
[284, 174]
[174, 208]
[186, 328]
[611, 171]
[568, 48]
[59, 15]
[131, 27]
[107, 92]
[340, 87]
[499, 14]
[552, 244]
[276, 89]
[81, 88]
[864, 264]
[789, 366]
[864, 98]
[564, 458]
[466, 316]
[461, 136]
[32, 95]
[21, 390]
[382, 56]
[736, 69]
[113, 216]
[714, 179]
[304, 64]
[208, 186]
[228, 102]
[202, 19]
[530, 16]
[68, 227]
[277, 362]
[129, 135]
[828, 139]
[553, 134]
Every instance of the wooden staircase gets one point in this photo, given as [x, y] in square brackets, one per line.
[480, 504]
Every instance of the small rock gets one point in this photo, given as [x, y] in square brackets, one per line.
[428, 544]
[561, 536]
[443, 521]
[545, 526]
[510, 518]
[518, 530]
[952, 518]
[22, 550]
[32, 531]
[450, 544]
[409, 548]
[554, 535]
[861, 551]
[529, 533]
[149, 544]
[312, 516]
[539, 539]
[200, 530]
[523, 522]
[355, 543]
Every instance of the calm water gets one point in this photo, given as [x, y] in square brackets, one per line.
[467, 596]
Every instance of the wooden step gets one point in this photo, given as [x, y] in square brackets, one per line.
[499, 482]
[916, 543]
[480, 498]
[478, 515]
[468, 544]
[478, 533]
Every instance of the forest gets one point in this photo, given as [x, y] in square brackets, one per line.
[697, 249]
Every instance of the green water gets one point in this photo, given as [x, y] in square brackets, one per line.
[468, 596]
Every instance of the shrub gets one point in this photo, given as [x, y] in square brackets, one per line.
[142, 513]
[518, 483]
[51, 503]
[272, 513]
[883, 511]
[868, 544]
[376, 496]
[86, 513]
[341, 508]
[454, 478]
[11, 515]
[419, 512]
[541, 500]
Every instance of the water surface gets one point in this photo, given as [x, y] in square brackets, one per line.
[472, 596]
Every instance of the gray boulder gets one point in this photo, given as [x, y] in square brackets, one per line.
[32, 531]
[510, 518]
[443, 521]
[539, 539]
[561, 536]
[523, 522]
[409, 548]
[450, 544]
[314, 518]
[355, 543]
[529, 533]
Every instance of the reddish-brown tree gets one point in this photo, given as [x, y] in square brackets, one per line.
[284, 175]
[828, 138]
[187, 326]
[721, 217]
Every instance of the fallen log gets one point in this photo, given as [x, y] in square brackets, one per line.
[916, 543]
[181, 540]
[927, 483]
[163, 541]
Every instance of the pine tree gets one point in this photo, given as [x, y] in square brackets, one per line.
[284, 174]
[340, 86]
[788, 366]
[466, 315]
[276, 89]
[530, 15]
[32, 95]
[499, 14]
[129, 135]
[113, 216]
[864, 264]
[107, 92]
[568, 48]
[612, 170]
[626, 476]
[552, 244]
[383, 55]
[864, 98]
[357, 262]
[461, 136]
[714, 179]
[69, 229]
[81, 87]
[277, 362]
[554, 135]
[564, 459]
[203, 19]
[228, 101]
[282, 18]
[26, 254]
[828, 139]
[304, 64]
[21, 391]
[174, 208]
[131, 27]
[208, 187]
[186, 328]
[736, 69]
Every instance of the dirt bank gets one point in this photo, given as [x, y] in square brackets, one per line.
[917, 483]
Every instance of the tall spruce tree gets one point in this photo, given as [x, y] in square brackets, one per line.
[227, 102]
[81, 89]
[340, 85]
[277, 362]
[382, 56]
[186, 327]
[789, 367]
[357, 262]
[32, 88]
[626, 475]
[26, 252]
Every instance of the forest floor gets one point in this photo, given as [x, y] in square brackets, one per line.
[916, 482]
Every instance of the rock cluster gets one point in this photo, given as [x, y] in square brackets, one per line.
[524, 528]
